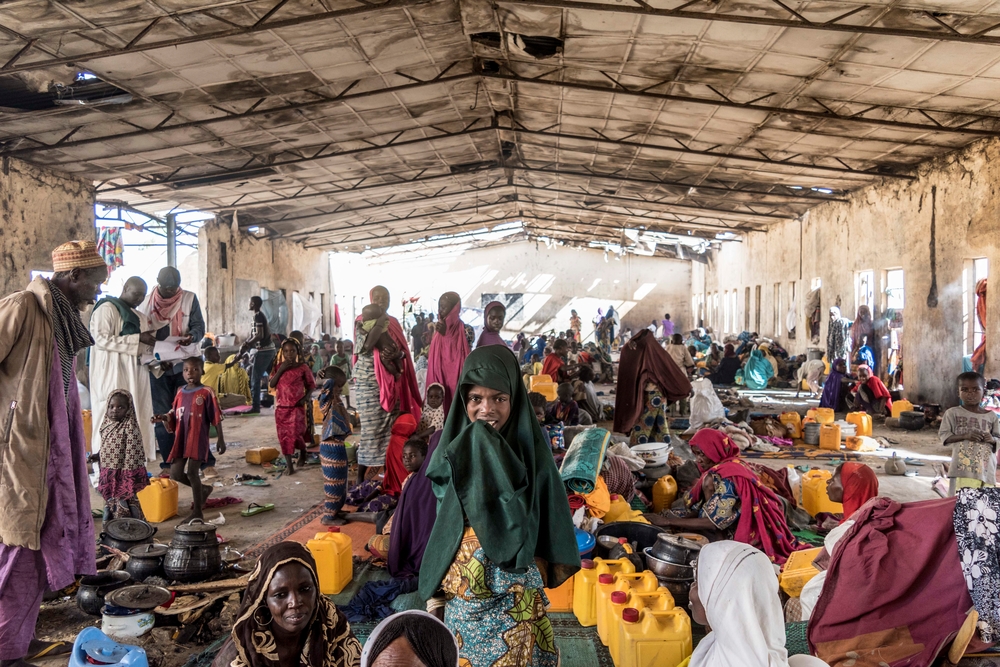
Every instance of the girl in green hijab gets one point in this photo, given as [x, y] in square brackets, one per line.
[503, 528]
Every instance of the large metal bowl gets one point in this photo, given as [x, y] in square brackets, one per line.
[666, 569]
[675, 549]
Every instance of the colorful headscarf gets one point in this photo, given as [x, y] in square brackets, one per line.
[448, 352]
[329, 642]
[762, 514]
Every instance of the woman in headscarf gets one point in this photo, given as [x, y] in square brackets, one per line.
[862, 327]
[725, 373]
[852, 484]
[870, 395]
[410, 638]
[765, 349]
[504, 529]
[284, 620]
[381, 396]
[449, 347]
[757, 371]
[730, 499]
[648, 382]
[735, 596]
[493, 318]
[837, 388]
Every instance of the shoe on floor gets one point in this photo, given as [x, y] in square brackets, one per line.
[209, 473]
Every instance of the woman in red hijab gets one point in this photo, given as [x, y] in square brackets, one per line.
[853, 484]
[729, 498]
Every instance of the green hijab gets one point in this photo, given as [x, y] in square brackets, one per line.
[505, 484]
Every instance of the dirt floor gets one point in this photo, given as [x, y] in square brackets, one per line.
[293, 495]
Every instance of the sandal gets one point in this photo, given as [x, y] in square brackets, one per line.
[253, 509]
[255, 482]
[52, 649]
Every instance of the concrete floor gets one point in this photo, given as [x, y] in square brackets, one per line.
[293, 495]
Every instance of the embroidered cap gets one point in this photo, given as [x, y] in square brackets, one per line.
[76, 255]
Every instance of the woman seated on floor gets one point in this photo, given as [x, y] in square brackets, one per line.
[648, 382]
[735, 596]
[870, 395]
[284, 620]
[725, 372]
[837, 388]
[730, 502]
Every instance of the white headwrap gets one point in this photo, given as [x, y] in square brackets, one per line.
[738, 587]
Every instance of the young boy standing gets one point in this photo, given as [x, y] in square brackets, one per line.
[974, 433]
[194, 412]
[293, 382]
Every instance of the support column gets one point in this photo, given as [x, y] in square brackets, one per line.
[171, 224]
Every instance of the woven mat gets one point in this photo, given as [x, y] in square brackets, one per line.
[305, 527]
[811, 453]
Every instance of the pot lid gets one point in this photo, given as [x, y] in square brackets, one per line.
[195, 527]
[678, 541]
[148, 551]
[128, 530]
[140, 597]
[104, 651]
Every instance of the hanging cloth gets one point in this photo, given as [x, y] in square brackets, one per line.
[979, 356]
[110, 247]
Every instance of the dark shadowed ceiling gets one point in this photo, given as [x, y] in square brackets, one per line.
[348, 124]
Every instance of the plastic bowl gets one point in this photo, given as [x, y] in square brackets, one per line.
[652, 451]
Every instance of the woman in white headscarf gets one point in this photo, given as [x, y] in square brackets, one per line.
[735, 595]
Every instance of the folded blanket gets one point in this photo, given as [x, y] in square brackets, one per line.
[584, 460]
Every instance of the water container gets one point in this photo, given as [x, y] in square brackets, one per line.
[795, 483]
[811, 413]
[88, 429]
[585, 594]
[606, 571]
[623, 583]
[659, 599]
[664, 493]
[158, 500]
[654, 638]
[814, 497]
[333, 552]
[810, 433]
[317, 412]
[617, 604]
[538, 379]
[547, 389]
[561, 597]
[793, 422]
[798, 570]
[846, 428]
[824, 415]
[901, 406]
[863, 422]
[620, 509]
[829, 437]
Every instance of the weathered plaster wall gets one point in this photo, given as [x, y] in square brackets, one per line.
[263, 263]
[552, 280]
[39, 210]
[887, 226]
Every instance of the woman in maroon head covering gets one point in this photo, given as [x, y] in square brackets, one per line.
[648, 382]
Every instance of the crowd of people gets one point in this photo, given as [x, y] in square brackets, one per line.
[455, 449]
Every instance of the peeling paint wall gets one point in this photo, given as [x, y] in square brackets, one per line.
[552, 280]
[253, 264]
[887, 226]
[39, 210]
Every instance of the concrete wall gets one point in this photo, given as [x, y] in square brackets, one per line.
[252, 264]
[887, 226]
[39, 210]
[553, 281]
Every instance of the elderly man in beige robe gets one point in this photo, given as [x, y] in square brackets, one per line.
[121, 335]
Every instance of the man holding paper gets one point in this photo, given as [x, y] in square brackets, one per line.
[172, 312]
[121, 336]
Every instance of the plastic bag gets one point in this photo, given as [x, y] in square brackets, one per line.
[705, 405]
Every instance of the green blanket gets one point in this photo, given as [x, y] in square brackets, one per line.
[584, 460]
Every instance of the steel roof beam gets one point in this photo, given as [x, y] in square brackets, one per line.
[730, 104]
[649, 204]
[136, 45]
[946, 35]
[253, 111]
[721, 156]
